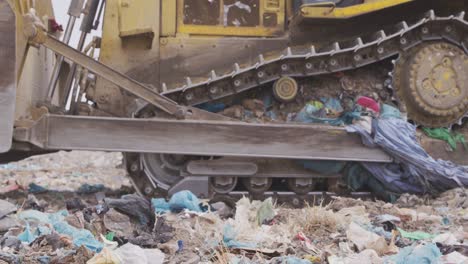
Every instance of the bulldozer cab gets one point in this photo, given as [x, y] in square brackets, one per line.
[224, 17]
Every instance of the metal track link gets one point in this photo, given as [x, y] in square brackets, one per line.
[335, 58]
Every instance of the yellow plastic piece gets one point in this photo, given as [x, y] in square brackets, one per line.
[330, 11]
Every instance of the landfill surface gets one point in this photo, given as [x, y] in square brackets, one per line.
[78, 207]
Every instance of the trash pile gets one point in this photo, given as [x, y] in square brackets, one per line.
[184, 229]
[380, 125]
[65, 171]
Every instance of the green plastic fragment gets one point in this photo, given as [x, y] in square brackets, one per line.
[417, 235]
[110, 236]
[444, 134]
[266, 212]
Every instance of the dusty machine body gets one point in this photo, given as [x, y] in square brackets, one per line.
[147, 85]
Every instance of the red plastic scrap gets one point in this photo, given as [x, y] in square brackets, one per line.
[54, 26]
[369, 103]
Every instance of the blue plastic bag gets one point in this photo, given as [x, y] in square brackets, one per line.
[184, 200]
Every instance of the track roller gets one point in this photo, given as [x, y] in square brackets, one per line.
[257, 186]
[285, 89]
[223, 185]
[300, 185]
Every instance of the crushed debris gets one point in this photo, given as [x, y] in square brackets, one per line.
[344, 231]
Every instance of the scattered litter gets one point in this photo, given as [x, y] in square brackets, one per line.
[130, 229]
[88, 188]
[34, 188]
[6, 208]
[387, 218]
[118, 223]
[420, 173]
[364, 239]
[229, 239]
[8, 222]
[128, 254]
[454, 258]
[326, 111]
[421, 254]
[447, 239]
[367, 256]
[56, 220]
[222, 209]
[289, 260]
[135, 206]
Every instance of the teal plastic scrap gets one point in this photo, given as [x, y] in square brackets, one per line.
[229, 239]
[185, 200]
[327, 111]
[423, 254]
[27, 235]
[160, 205]
[389, 111]
[178, 202]
[417, 235]
[81, 237]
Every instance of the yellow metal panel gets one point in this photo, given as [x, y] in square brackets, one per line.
[168, 18]
[228, 31]
[332, 12]
[135, 17]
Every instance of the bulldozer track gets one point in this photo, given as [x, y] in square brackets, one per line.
[336, 57]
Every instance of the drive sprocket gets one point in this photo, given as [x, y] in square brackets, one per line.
[431, 83]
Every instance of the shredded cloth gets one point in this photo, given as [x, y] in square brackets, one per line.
[413, 170]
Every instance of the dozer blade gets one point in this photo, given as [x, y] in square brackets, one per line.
[7, 74]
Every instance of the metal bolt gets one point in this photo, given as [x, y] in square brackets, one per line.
[189, 96]
[380, 50]
[333, 62]
[448, 29]
[260, 74]
[296, 202]
[148, 190]
[213, 90]
[237, 83]
[357, 57]
[284, 67]
[425, 30]
[309, 65]
[403, 41]
[134, 167]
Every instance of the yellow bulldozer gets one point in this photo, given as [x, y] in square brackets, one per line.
[204, 94]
